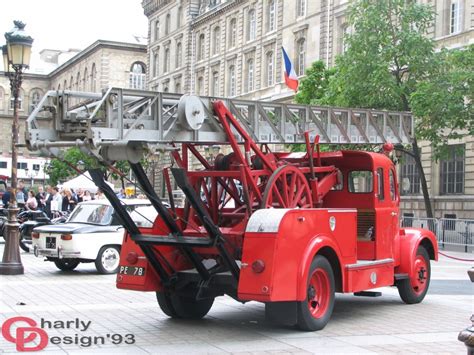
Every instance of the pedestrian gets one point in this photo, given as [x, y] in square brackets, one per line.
[99, 195]
[31, 202]
[6, 197]
[87, 196]
[56, 201]
[41, 198]
[48, 198]
[69, 201]
[121, 194]
[80, 195]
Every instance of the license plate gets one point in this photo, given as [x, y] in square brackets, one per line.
[132, 270]
[50, 242]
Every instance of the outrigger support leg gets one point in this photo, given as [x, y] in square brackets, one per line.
[201, 212]
[165, 214]
[98, 177]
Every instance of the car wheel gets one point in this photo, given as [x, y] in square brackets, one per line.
[413, 289]
[108, 260]
[25, 244]
[314, 312]
[66, 264]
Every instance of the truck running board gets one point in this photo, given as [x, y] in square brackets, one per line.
[177, 240]
[368, 294]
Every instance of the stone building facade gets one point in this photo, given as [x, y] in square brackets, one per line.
[232, 48]
[102, 64]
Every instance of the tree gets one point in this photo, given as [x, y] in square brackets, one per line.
[443, 104]
[388, 56]
[315, 84]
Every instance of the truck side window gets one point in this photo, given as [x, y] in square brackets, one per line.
[380, 190]
[361, 181]
[392, 185]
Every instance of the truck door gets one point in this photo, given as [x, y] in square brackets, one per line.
[394, 214]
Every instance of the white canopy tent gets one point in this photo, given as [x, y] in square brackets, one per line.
[83, 181]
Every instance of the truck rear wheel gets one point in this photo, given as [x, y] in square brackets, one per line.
[413, 290]
[314, 312]
[177, 306]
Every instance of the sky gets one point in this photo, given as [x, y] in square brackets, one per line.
[65, 24]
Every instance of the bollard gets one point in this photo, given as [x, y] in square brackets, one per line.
[467, 335]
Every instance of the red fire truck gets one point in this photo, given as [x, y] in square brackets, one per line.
[287, 229]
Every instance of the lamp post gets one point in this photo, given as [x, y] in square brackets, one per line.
[16, 58]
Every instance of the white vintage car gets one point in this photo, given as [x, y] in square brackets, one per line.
[92, 233]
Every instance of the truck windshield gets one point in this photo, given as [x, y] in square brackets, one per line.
[93, 214]
[361, 181]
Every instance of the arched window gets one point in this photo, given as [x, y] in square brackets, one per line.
[201, 46]
[271, 15]
[166, 61]
[166, 89]
[157, 30]
[270, 66]
[300, 8]
[232, 33]
[231, 84]
[177, 87]
[215, 84]
[251, 25]
[200, 86]
[93, 78]
[250, 75]
[179, 55]
[86, 80]
[71, 83]
[78, 81]
[216, 40]
[59, 87]
[65, 85]
[167, 24]
[154, 63]
[300, 56]
[137, 79]
[179, 16]
[35, 97]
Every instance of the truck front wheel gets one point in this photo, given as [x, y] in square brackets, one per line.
[178, 306]
[314, 312]
[413, 289]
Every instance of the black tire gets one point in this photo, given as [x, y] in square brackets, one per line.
[413, 290]
[316, 310]
[25, 244]
[177, 306]
[108, 260]
[66, 264]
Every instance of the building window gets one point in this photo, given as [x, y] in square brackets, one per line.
[86, 80]
[93, 78]
[300, 8]
[155, 63]
[409, 176]
[179, 16]
[35, 98]
[270, 65]
[71, 83]
[166, 89]
[78, 81]
[2, 97]
[215, 84]
[65, 85]
[231, 88]
[137, 78]
[250, 75]
[167, 24]
[20, 101]
[201, 47]
[251, 26]
[21, 165]
[36, 167]
[177, 87]
[344, 34]
[455, 18]
[157, 30]
[216, 40]
[232, 33]
[271, 15]
[200, 85]
[300, 59]
[3, 165]
[166, 61]
[179, 55]
[452, 171]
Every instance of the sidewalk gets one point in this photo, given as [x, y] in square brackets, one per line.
[359, 325]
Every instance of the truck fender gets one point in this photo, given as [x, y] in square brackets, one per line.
[410, 240]
[317, 243]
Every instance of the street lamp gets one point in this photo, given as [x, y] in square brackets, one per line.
[16, 58]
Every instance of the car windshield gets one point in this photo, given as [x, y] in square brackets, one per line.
[91, 213]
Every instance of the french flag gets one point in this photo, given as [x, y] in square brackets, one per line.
[291, 79]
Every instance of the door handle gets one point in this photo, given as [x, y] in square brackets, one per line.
[394, 214]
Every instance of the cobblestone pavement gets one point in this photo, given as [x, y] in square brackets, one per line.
[382, 325]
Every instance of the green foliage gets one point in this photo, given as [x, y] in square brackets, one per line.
[388, 54]
[443, 104]
[314, 85]
[59, 171]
